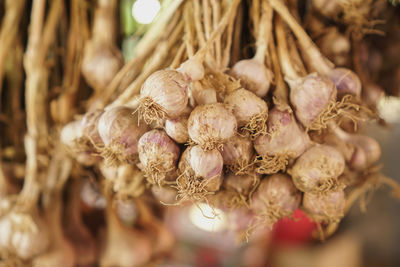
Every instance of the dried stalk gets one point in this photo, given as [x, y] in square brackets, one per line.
[78, 34]
[236, 42]
[227, 50]
[9, 31]
[39, 42]
[188, 39]
[216, 13]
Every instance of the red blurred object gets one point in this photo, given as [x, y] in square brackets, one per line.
[294, 231]
[207, 257]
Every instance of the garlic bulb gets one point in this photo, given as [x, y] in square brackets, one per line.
[276, 197]
[326, 207]
[238, 153]
[211, 125]
[251, 112]
[284, 142]
[89, 124]
[318, 168]
[206, 164]
[163, 95]
[346, 81]
[177, 129]
[253, 75]
[164, 194]
[159, 155]
[120, 132]
[310, 96]
[242, 184]
[29, 236]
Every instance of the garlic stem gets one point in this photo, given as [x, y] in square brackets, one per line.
[318, 61]
[264, 32]
[283, 51]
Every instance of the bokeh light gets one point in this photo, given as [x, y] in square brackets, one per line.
[144, 11]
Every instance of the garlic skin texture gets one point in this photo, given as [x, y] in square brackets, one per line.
[100, 63]
[206, 164]
[317, 168]
[237, 149]
[242, 184]
[253, 75]
[89, 125]
[70, 135]
[177, 129]
[193, 69]
[164, 194]
[325, 207]
[310, 96]
[25, 234]
[346, 81]
[120, 132]
[245, 105]
[159, 155]
[276, 192]
[211, 124]
[284, 136]
[169, 90]
[203, 95]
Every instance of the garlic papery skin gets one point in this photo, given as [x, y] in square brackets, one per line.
[158, 154]
[163, 95]
[164, 194]
[366, 149]
[29, 236]
[284, 142]
[206, 164]
[101, 62]
[211, 125]
[120, 132]
[284, 136]
[276, 197]
[89, 124]
[253, 75]
[237, 149]
[242, 184]
[310, 96]
[177, 129]
[203, 95]
[327, 207]
[251, 112]
[193, 69]
[317, 169]
[346, 81]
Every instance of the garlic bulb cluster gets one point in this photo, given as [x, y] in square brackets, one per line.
[243, 115]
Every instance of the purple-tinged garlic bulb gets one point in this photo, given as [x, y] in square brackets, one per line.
[211, 125]
[177, 129]
[251, 112]
[284, 141]
[120, 131]
[163, 95]
[327, 207]
[318, 169]
[275, 198]
[238, 154]
[159, 156]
